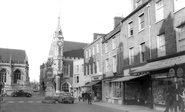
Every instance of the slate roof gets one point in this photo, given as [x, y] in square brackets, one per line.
[16, 55]
[74, 49]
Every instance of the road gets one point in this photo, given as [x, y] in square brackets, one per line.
[34, 104]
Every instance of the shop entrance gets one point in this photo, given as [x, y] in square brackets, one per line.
[97, 91]
[137, 91]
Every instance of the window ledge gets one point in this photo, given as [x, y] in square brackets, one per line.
[159, 21]
[178, 10]
[141, 30]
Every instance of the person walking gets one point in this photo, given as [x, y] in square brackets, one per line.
[89, 96]
[170, 97]
[83, 96]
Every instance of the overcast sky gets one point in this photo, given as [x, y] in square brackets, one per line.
[30, 24]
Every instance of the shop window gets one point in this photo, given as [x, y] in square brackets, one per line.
[117, 90]
[160, 89]
[132, 91]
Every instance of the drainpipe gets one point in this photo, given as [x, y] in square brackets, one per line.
[149, 29]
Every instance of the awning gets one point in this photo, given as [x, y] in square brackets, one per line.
[127, 78]
[157, 65]
[91, 84]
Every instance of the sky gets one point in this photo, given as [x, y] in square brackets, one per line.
[30, 24]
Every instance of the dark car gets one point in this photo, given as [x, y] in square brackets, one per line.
[64, 97]
[21, 93]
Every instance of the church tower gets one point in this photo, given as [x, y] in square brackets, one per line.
[56, 56]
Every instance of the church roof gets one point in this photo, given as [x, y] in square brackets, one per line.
[74, 49]
[15, 55]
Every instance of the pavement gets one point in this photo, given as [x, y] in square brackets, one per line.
[126, 108]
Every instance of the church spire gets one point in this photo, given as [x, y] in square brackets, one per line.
[59, 29]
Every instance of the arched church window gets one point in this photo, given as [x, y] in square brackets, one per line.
[17, 76]
[65, 87]
[3, 75]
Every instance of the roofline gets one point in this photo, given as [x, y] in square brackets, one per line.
[114, 33]
[93, 42]
[136, 10]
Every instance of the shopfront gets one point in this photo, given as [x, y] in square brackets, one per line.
[97, 88]
[113, 91]
[167, 77]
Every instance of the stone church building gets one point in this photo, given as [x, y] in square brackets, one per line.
[14, 70]
[57, 73]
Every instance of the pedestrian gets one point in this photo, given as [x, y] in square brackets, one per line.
[170, 97]
[89, 96]
[83, 96]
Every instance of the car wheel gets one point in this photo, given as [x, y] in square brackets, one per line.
[72, 101]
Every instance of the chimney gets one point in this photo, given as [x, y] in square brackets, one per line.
[117, 21]
[97, 35]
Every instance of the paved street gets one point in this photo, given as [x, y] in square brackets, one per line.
[33, 104]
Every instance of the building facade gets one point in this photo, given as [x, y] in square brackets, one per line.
[112, 64]
[14, 70]
[78, 77]
[93, 66]
[153, 57]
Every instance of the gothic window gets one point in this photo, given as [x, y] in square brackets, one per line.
[65, 87]
[17, 76]
[3, 75]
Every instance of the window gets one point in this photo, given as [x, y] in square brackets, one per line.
[97, 65]
[89, 69]
[130, 29]
[89, 52]
[77, 68]
[161, 45]
[106, 65]
[159, 10]
[82, 68]
[86, 54]
[179, 4]
[86, 70]
[181, 38]
[3, 75]
[17, 75]
[93, 68]
[93, 53]
[106, 47]
[97, 48]
[65, 87]
[138, 3]
[131, 55]
[113, 43]
[114, 63]
[141, 22]
[142, 52]
[77, 79]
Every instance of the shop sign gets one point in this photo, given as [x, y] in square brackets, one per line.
[179, 72]
[172, 72]
[95, 78]
[140, 73]
[160, 75]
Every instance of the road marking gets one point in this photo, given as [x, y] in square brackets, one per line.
[38, 101]
[11, 102]
[30, 101]
[21, 101]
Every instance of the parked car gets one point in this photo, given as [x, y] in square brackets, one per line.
[64, 97]
[21, 93]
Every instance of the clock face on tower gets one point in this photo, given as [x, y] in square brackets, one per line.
[59, 43]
